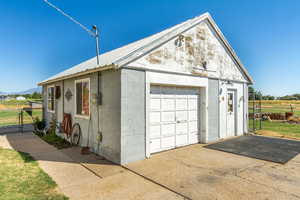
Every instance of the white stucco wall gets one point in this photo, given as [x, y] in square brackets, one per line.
[109, 113]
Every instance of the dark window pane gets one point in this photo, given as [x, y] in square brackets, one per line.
[230, 102]
[79, 98]
[52, 98]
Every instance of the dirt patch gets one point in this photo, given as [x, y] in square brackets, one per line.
[274, 134]
[2, 107]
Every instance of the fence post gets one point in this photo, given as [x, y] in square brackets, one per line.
[254, 122]
[260, 115]
[22, 122]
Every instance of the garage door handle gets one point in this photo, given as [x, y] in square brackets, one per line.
[181, 121]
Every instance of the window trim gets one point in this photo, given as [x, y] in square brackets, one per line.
[81, 81]
[51, 86]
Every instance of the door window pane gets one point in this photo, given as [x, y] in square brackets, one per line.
[230, 102]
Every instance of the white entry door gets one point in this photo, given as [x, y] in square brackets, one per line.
[231, 113]
[174, 117]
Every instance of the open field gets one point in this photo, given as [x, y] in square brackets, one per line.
[278, 106]
[9, 113]
[10, 117]
[22, 178]
[278, 128]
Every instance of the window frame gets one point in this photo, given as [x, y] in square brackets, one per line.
[75, 89]
[48, 110]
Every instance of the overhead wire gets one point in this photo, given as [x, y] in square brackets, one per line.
[70, 18]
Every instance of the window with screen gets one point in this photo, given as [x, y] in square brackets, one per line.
[83, 97]
[50, 98]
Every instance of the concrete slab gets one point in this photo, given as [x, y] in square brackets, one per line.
[30, 145]
[201, 173]
[259, 147]
[285, 178]
[123, 186]
[4, 142]
[97, 164]
[64, 171]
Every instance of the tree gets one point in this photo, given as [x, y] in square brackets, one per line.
[254, 94]
[36, 95]
[268, 97]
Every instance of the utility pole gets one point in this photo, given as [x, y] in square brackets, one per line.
[97, 42]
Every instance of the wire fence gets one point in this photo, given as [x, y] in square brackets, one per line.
[14, 117]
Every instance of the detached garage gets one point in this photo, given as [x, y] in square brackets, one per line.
[182, 86]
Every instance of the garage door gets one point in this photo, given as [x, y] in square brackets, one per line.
[174, 117]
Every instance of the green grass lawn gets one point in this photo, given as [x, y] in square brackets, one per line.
[285, 129]
[278, 128]
[22, 179]
[10, 117]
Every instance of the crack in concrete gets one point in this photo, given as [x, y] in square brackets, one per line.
[157, 183]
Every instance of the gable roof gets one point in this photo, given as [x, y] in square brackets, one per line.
[124, 55]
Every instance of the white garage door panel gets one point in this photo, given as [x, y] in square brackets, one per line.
[193, 139]
[174, 117]
[193, 115]
[168, 116]
[182, 128]
[155, 104]
[155, 145]
[193, 103]
[168, 143]
[168, 104]
[167, 129]
[155, 117]
[193, 126]
[181, 140]
[181, 116]
[155, 131]
[181, 104]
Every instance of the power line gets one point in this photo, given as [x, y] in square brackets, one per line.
[70, 18]
[94, 34]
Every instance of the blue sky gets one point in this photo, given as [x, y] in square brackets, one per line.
[37, 42]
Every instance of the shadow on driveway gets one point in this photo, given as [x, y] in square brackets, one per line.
[260, 147]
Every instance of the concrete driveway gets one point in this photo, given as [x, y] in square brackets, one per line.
[191, 172]
[86, 177]
[200, 173]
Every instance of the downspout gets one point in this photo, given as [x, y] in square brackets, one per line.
[99, 102]
[63, 98]
[219, 110]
